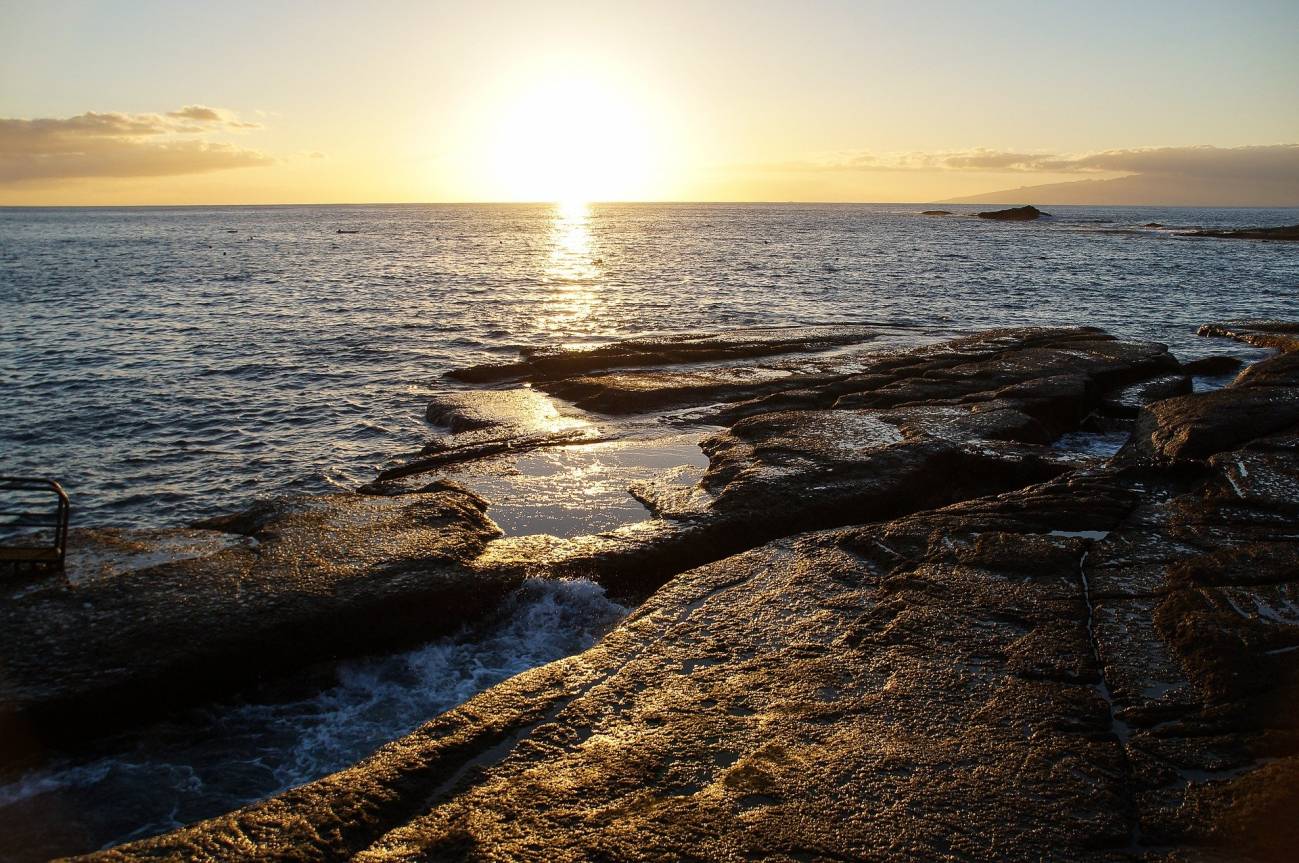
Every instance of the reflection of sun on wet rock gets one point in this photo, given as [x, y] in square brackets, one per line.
[95, 554]
[156, 618]
[489, 423]
[940, 422]
[584, 489]
[521, 410]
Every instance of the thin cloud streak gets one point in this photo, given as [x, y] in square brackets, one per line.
[1262, 162]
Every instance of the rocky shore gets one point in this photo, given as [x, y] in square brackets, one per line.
[895, 620]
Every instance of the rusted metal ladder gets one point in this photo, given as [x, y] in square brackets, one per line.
[33, 524]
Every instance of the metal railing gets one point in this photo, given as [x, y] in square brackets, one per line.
[33, 523]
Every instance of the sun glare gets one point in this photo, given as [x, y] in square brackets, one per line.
[573, 140]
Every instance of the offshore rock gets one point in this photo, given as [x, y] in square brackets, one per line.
[1014, 214]
[148, 620]
[1285, 232]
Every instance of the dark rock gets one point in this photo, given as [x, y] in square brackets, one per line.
[954, 369]
[1285, 232]
[1152, 225]
[1197, 426]
[644, 391]
[148, 620]
[1263, 400]
[1014, 214]
[441, 454]
[935, 212]
[554, 363]
[1213, 366]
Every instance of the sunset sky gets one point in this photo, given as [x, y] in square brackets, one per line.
[279, 102]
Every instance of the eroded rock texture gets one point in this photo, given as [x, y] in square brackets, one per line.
[150, 619]
[1102, 664]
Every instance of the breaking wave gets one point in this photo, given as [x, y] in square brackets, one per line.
[206, 762]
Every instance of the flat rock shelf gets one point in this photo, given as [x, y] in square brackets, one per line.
[905, 611]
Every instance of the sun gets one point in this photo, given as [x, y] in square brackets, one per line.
[572, 139]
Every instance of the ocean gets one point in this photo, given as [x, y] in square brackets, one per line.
[168, 364]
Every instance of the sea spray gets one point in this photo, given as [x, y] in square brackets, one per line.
[208, 761]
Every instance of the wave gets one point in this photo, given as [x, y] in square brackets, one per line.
[206, 762]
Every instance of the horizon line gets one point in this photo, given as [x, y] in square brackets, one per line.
[1015, 202]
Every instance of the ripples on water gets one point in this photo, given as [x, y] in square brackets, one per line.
[168, 363]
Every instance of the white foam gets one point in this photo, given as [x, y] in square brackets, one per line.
[212, 760]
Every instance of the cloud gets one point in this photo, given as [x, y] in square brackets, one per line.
[1279, 162]
[113, 144]
[215, 116]
[197, 112]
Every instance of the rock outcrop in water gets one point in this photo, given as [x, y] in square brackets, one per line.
[891, 622]
[1014, 214]
[1100, 665]
[1285, 232]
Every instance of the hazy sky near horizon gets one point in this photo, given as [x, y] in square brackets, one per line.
[266, 102]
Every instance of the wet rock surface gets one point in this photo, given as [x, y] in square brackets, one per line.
[893, 620]
[147, 620]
